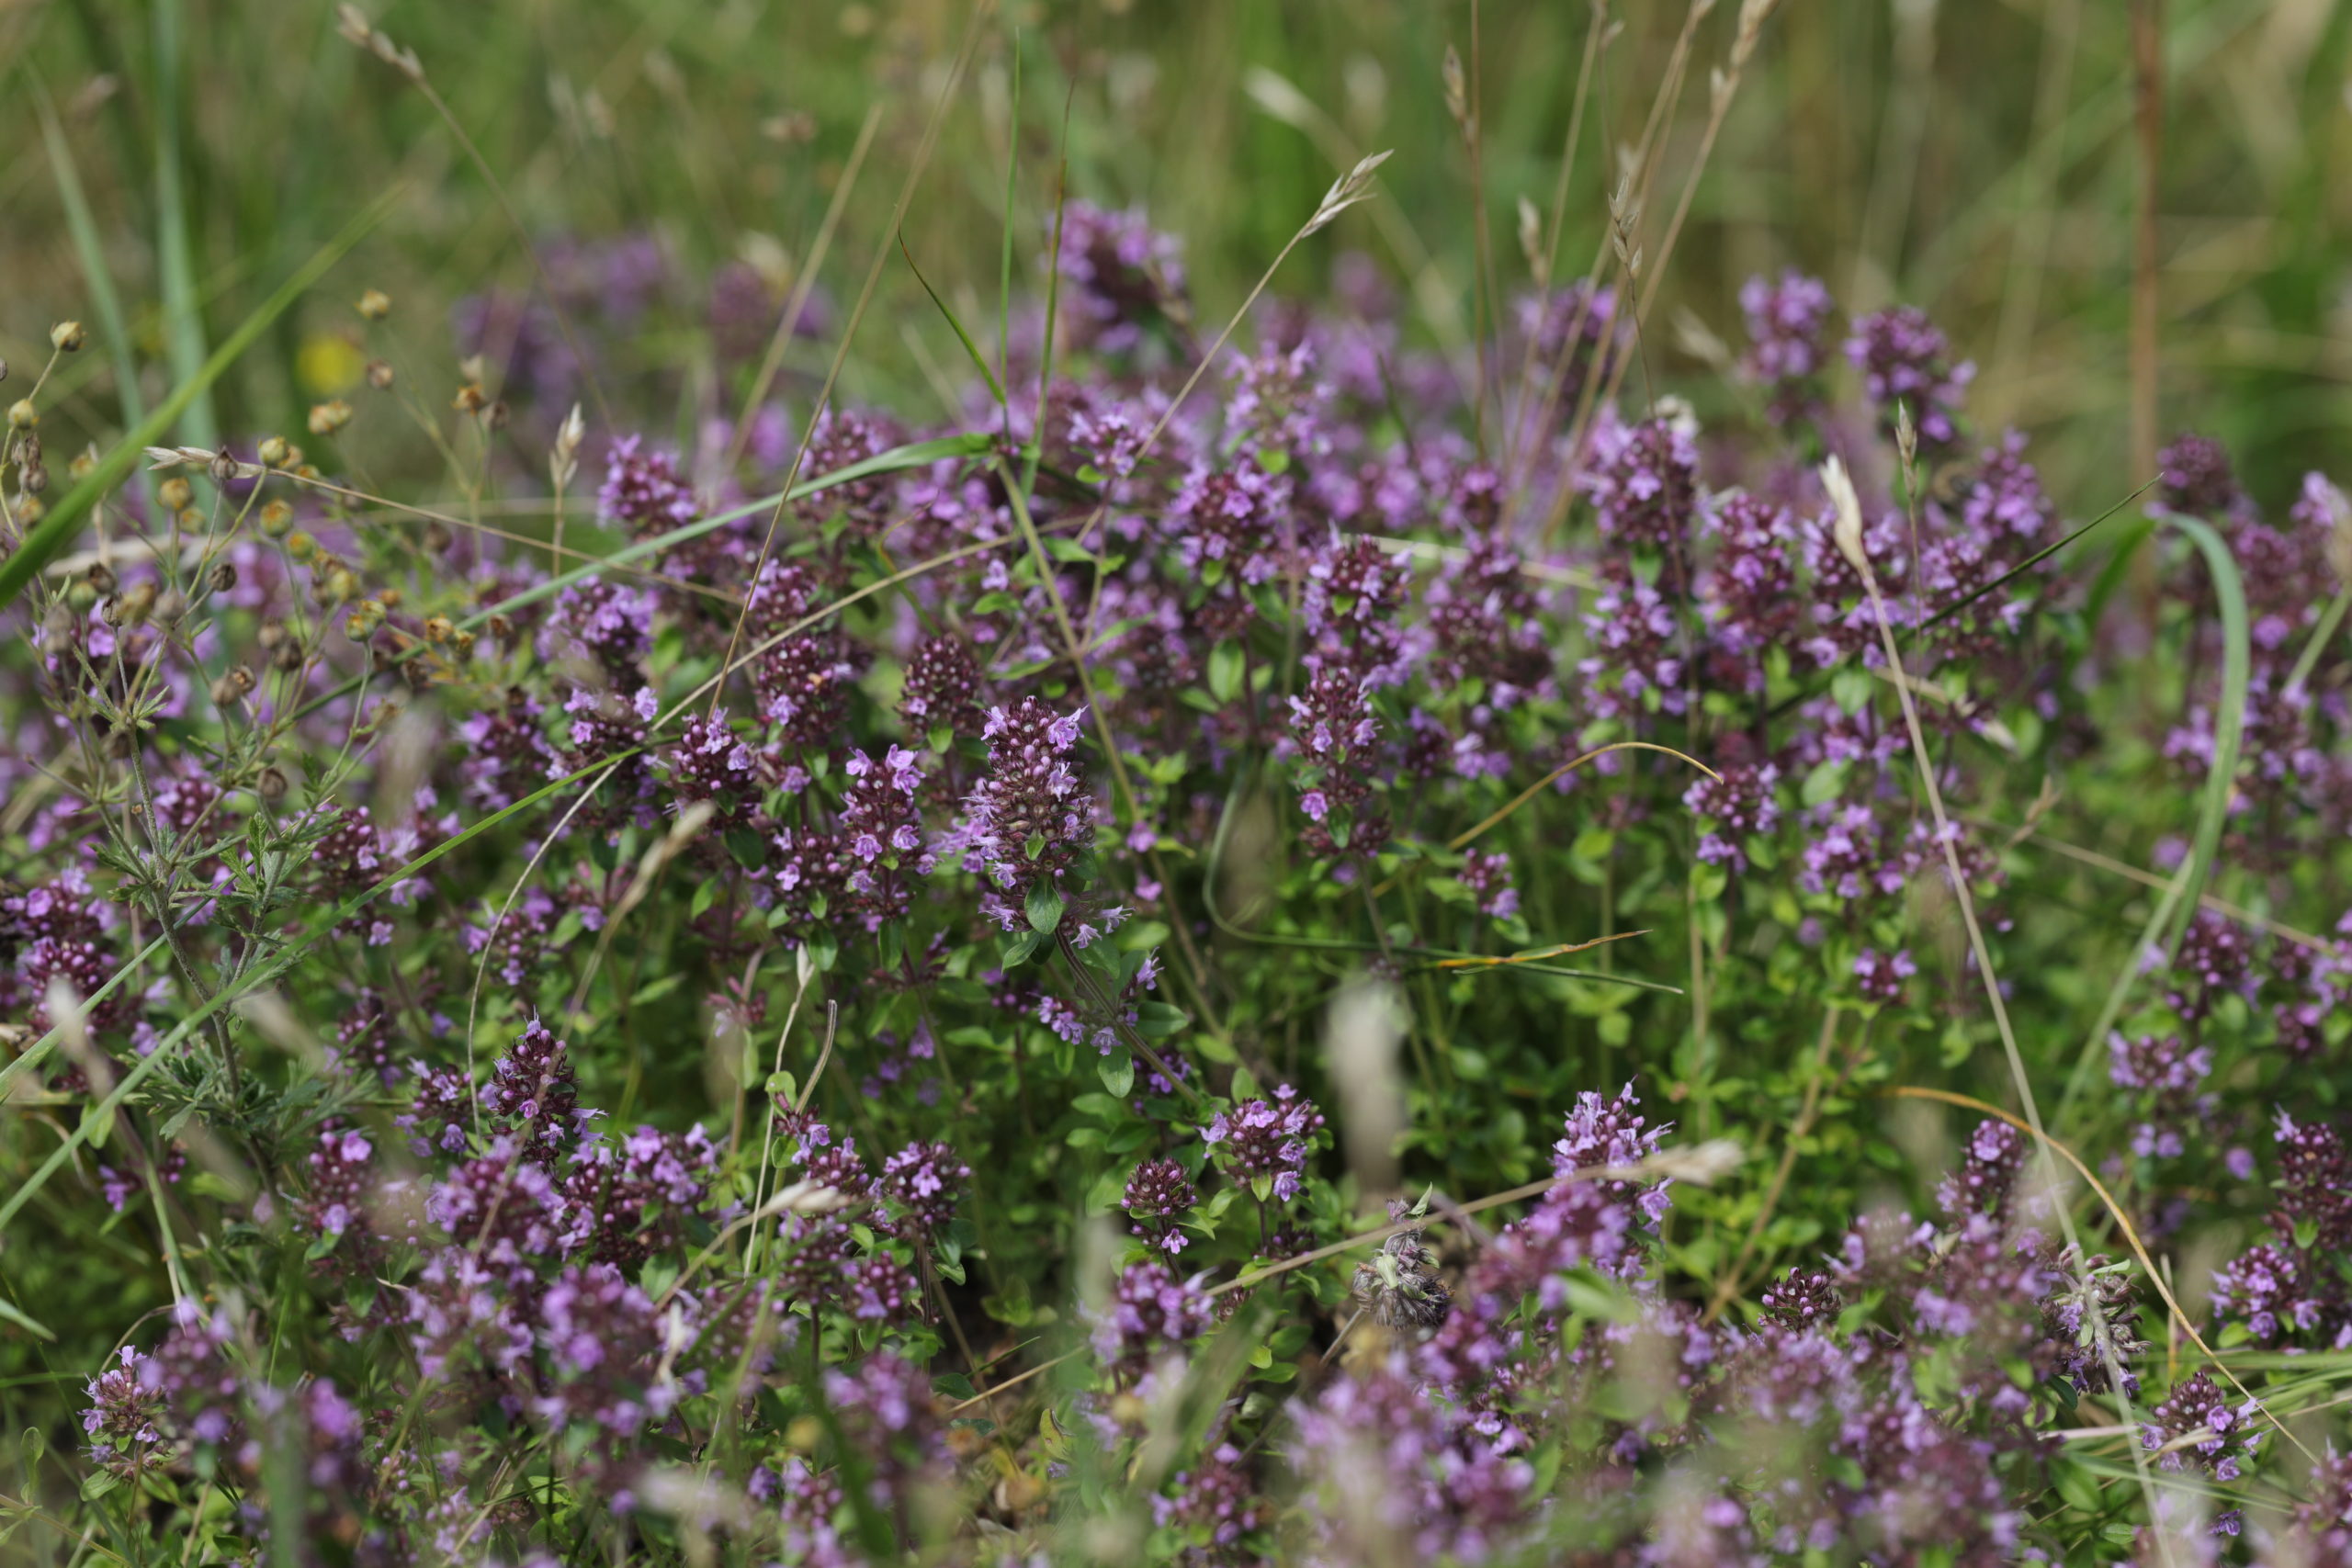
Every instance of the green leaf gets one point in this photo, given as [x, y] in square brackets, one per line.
[1852, 688]
[1157, 1020]
[1826, 782]
[1226, 667]
[1045, 907]
[1118, 1071]
[750, 850]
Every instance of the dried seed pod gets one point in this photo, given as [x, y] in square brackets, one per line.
[137, 602]
[22, 415]
[275, 453]
[328, 417]
[470, 399]
[439, 628]
[276, 519]
[272, 633]
[67, 337]
[380, 375]
[175, 493]
[375, 304]
[222, 577]
[100, 577]
[232, 686]
[1399, 1286]
[32, 479]
[272, 784]
[288, 656]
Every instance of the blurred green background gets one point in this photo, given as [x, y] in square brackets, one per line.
[1976, 158]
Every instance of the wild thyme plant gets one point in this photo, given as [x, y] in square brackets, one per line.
[781, 1011]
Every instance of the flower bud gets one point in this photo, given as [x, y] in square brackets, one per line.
[276, 519]
[80, 596]
[67, 337]
[224, 467]
[100, 577]
[31, 508]
[330, 416]
[365, 618]
[22, 415]
[301, 545]
[171, 607]
[375, 304]
[85, 463]
[439, 628]
[288, 656]
[175, 493]
[275, 453]
[380, 375]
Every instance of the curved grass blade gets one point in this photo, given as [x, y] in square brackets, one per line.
[2169, 921]
[50, 534]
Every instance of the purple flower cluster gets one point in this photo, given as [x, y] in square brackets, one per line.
[1265, 1144]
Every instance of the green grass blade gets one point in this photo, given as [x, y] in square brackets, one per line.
[13, 1315]
[50, 534]
[261, 974]
[1012, 186]
[91, 255]
[176, 258]
[1957, 605]
[2177, 906]
[32, 1055]
[971, 349]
